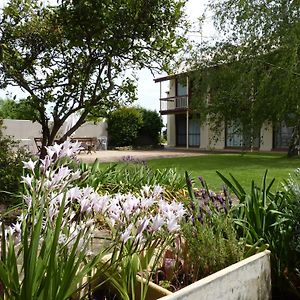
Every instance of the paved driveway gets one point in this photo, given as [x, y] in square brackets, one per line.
[116, 155]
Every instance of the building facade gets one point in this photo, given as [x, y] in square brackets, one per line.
[185, 129]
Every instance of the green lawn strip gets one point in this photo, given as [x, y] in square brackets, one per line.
[244, 167]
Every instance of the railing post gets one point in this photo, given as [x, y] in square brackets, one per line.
[187, 112]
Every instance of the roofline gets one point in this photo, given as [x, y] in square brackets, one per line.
[169, 77]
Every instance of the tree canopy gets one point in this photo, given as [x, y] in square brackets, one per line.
[20, 110]
[75, 56]
[253, 74]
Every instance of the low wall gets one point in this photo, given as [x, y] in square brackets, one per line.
[25, 131]
[249, 279]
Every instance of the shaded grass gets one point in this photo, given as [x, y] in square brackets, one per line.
[244, 167]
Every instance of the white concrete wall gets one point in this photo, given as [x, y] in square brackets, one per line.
[216, 141]
[249, 279]
[25, 131]
[204, 136]
[266, 143]
[171, 133]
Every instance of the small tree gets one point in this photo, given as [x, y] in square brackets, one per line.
[73, 57]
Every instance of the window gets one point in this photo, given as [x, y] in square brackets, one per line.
[236, 137]
[282, 135]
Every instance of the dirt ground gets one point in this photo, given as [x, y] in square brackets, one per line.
[118, 155]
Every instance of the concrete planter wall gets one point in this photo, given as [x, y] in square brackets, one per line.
[249, 279]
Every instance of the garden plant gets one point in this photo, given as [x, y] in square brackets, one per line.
[48, 252]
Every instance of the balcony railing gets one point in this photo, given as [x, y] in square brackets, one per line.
[173, 103]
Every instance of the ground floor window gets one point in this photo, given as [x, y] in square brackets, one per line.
[236, 137]
[282, 136]
[193, 131]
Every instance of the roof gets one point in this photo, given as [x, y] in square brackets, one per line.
[169, 77]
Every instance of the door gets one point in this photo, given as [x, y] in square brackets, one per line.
[194, 131]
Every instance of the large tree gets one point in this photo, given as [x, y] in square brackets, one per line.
[75, 56]
[253, 73]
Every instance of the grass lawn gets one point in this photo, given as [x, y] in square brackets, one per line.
[244, 167]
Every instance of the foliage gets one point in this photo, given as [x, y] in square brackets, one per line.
[149, 133]
[10, 109]
[249, 73]
[75, 56]
[208, 242]
[45, 254]
[143, 227]
[11, 168]
[263, 218]
[131, 126]
[123, 126]
[130, 178]
[292, 186]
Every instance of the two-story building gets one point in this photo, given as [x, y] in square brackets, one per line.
[185, 129]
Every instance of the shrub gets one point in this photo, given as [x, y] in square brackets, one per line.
[209, 241]
[263, 217]
[134, 127]
[11, 168]
[123, 126]
[149, 133]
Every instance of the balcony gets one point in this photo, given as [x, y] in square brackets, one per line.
[173, 105]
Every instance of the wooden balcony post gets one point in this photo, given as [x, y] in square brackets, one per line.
[187, 112]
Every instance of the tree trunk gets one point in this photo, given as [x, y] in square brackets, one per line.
[295, 141]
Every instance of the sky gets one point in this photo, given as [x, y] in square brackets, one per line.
[148, 92]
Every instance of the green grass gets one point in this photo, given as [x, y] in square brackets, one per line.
[244, 167]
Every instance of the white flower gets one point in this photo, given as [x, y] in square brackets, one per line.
[172, 225]
[141, 228]
[50, 152]
[147, 202]
[75, 175]
[45, 163]
[157, 222]
[85, 205]
[145, 191]
[27, 180]
[17, 228]
[125, 236]
[28, 200]
[74, 193]
[30, 165]
[57, 148]
[100, 204]
[157, 191]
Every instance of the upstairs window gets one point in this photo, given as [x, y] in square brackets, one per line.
[181, 88]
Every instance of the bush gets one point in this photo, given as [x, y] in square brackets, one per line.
[123, 126]
[209, 240]
[11, 168]
[134, 127]
[149, 133]
[264, 217]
